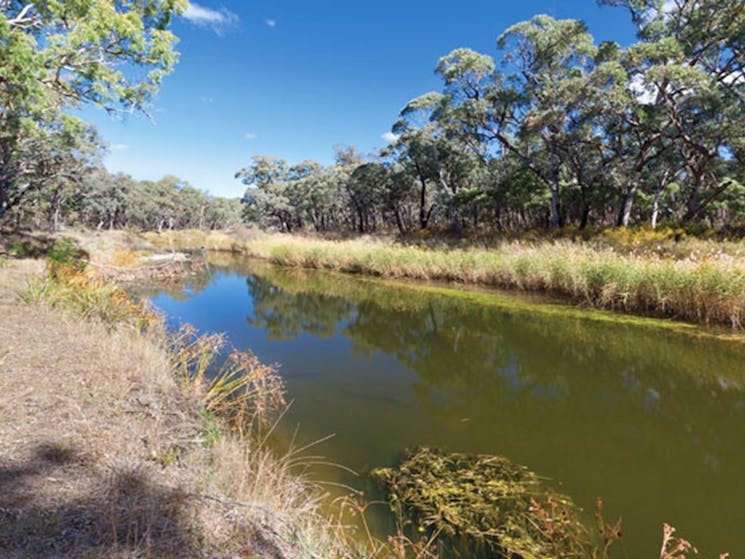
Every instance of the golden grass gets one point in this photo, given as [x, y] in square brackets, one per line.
[705, 289]
[653, 273]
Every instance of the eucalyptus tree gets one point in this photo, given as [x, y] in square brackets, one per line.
[55, 56]
[552, 60]
[370, 185]
[690, 81]
[65, 155]
[527, 113]
[222, 213]
[265, 200]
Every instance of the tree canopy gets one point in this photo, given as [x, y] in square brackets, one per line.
[553, 130]
[56, 56]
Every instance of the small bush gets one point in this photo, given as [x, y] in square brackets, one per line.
[88, 297]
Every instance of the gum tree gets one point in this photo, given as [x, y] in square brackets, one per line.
[56, 56]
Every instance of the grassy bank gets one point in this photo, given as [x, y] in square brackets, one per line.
[114, 443]
[692, 280]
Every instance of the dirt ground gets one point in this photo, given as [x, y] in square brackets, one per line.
[85, 414]
[100, 453]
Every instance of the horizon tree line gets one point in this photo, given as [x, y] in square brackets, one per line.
[557, 130]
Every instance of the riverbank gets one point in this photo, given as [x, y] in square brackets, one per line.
[106, 450]
[217, 493]
[698, 281]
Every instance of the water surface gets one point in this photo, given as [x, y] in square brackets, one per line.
[651, 419]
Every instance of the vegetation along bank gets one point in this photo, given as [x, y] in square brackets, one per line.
[644, 273]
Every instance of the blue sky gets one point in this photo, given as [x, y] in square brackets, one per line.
[294, 79]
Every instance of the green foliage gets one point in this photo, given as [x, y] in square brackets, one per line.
[574, 133]
[211, 431]
[483, 500]
[69, 288]
[56, 56]
[65, 252]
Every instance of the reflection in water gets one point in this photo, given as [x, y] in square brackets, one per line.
[650, 419]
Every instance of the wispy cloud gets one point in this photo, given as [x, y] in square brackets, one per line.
[118, 147]
[390, 137]
[208, 100]
[250, 136]
[218, 20]
[271, 22]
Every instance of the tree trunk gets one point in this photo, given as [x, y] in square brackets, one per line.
[656, 208]
[696, 208]
[55, 209]
[624, 213]
[422, 203]
[557, 220]
[657, 196]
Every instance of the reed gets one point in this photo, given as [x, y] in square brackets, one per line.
[241, 391]
[704, 288]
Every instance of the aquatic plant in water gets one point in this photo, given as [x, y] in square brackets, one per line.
[485, 502]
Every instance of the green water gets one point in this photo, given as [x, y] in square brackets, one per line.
[649, 417]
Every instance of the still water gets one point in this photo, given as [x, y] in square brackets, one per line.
[651, 419]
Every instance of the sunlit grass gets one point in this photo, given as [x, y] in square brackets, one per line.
[88, 297]
[708, 288]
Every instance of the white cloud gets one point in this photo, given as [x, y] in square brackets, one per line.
[250, 136]
[271, 22]
[219, 20]
[735, 77]
[118, 147]
[390, 137]
[669, 6]
[645, 93]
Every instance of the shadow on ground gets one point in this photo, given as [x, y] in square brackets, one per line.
[54, 505]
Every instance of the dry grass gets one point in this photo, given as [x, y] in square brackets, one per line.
[644, 272]
[195, 239]
[86, 413]
[103, 453]
[704, 288]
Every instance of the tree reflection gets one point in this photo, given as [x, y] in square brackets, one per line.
[491, 363]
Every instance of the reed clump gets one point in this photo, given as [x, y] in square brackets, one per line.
[704, 288]
[241, 391]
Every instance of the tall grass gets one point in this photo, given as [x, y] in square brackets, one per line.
[707, 289]
[88, 297]
[242, 391]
